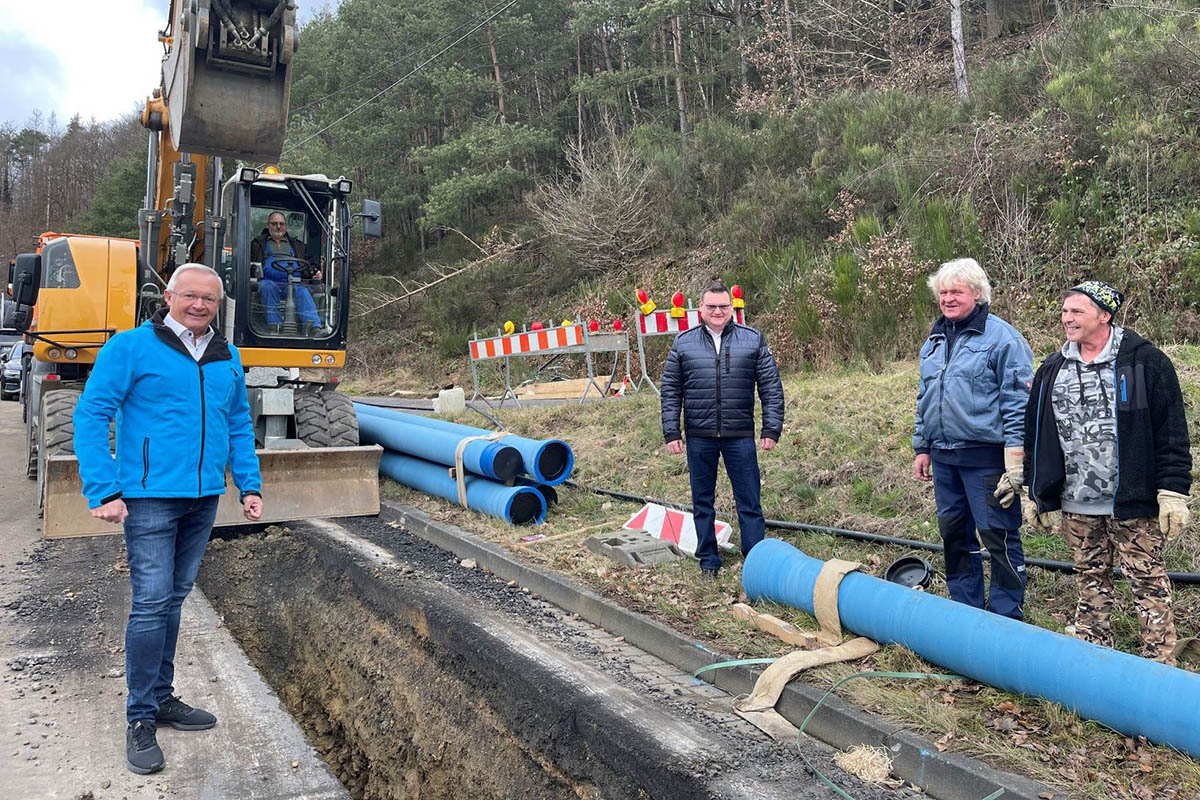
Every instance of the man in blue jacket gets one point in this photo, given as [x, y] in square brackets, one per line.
[711, 374]
[975, 375]
[177, 391]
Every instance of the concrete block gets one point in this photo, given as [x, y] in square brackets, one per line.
[450, 400]
[633, 549]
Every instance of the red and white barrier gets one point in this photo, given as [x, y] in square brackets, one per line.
[661, 322]
[527, 342]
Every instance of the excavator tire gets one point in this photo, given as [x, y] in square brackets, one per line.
[343, 422]
[58, 422]
[312, 421]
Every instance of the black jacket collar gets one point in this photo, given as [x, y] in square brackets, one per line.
[976, 322]
[217, 350]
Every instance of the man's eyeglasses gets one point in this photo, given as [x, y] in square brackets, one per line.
[723, 307]
[191, 297]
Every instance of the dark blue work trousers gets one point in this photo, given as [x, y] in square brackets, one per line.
[965, 503]
[741, 464]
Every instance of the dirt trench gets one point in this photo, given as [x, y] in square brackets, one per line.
[408, 691]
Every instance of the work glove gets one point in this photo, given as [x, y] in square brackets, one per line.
[1008, 488]
[1031, 519]
[1173, 513]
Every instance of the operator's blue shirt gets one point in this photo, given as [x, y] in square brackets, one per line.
[180, 421]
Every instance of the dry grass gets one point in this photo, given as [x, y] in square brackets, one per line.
[844, 462]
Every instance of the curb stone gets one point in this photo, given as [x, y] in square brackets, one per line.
[944, 775]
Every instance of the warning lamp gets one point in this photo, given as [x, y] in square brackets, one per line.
[647, 305]
[509, 327]
[677, 305]
[566, 323]
[736, 294]
[271, 170]
[537, 326]
[618, 325]
[594, 325]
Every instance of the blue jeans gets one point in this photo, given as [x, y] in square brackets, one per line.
[965, 502]
[165, 540]
[272, 293]
[741, 464]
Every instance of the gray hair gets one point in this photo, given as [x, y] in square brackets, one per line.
[962, 270]
[194, 267]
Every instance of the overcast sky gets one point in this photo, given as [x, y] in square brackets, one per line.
[96, 58]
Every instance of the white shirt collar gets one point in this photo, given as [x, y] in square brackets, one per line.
[195, 344]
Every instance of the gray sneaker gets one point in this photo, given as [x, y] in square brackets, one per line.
[142, 753]
[177, 714]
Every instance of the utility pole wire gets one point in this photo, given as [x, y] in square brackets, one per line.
[404, 77]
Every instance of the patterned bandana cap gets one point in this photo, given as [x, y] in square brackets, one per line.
[1102, 294]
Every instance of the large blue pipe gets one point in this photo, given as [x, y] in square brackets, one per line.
[547, 461]
[495, 460]
[516, 505]
[1132, 695]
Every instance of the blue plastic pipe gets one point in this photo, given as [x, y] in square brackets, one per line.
[516, 505]
[1133, 695]
[547, 461]
[494, 460]
[548, 492]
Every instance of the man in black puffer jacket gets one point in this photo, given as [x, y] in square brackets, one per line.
[710, 375]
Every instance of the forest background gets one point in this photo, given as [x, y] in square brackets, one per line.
[826, 155]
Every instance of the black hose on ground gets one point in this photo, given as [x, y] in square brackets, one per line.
[863, 536]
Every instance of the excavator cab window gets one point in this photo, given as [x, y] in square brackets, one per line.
[292, 295]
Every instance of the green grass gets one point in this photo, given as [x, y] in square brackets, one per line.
[844, 461]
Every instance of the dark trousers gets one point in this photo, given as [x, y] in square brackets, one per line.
[965, 503]
[741, 464]
[165, 540]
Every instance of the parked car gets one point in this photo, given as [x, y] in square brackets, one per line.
[11, 369]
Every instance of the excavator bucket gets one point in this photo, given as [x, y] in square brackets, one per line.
[227, 77]
[297, 484]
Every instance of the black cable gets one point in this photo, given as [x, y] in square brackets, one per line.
[1188, 578]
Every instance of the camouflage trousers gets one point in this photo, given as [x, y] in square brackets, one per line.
[1138, 545]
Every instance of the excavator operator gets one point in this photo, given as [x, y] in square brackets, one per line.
[277, 243]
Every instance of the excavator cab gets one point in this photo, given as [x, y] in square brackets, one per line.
[287, 291]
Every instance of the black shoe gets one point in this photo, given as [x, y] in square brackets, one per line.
[182, 717]
[709, 574]
[142, 753]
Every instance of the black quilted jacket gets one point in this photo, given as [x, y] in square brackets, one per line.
[716, 393]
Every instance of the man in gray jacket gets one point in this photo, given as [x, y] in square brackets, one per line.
[710, 375]
[975, 375]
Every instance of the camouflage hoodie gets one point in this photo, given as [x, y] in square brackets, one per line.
[1085, 412]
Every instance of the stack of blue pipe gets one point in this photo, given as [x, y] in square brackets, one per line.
[510, 478]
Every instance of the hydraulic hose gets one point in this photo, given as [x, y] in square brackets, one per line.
[1182, 578]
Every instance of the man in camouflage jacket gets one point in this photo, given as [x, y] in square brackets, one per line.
[1106, 443]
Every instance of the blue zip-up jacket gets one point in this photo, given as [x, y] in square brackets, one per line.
[716, 393]
[978, 395]
[179, 421]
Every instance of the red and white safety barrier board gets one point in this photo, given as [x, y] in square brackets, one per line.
[675, 526]
[527, 342]
[660, 322]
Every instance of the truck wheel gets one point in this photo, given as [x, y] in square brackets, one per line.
[312, 422]
[343, 422]
[58, 422]
[31, 454]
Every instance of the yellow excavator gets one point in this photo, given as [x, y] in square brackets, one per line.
[215, 123]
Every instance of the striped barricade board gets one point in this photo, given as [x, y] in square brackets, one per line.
[661, 322]
[528, 342]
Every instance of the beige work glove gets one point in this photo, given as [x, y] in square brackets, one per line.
[1008, 488]
[1173, 513]
[1030, 518]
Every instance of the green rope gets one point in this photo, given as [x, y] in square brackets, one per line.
[737, 663]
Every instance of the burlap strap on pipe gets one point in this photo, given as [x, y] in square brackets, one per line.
[460, 474]
[759, 708]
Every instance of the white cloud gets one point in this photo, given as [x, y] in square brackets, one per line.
[107, 53]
